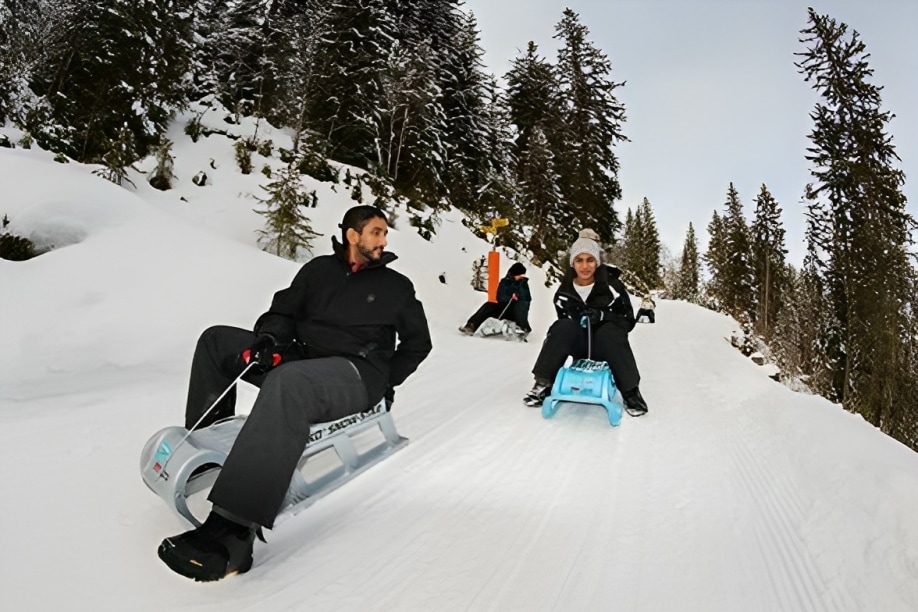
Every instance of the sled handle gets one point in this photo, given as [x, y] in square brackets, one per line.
[206, 412]
[585, 322]
[505, 309]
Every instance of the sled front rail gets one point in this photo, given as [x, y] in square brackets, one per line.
[176, 465]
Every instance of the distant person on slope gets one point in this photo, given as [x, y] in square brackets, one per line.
[325, 349]
[646, 309]
[594, 290]
[513, 300]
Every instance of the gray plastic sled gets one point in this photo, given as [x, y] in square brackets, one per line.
[176, 465]
[493, 327]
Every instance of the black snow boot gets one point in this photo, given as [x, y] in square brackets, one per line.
[215, 550]
[634, 402]
[538, 393]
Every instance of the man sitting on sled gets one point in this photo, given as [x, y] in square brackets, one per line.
[324, 350]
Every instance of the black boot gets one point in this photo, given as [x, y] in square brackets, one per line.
[215, 550]
[538, 393]
[634, 402]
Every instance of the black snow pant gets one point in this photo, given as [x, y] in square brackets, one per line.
[496, 310]
[292, 396]
[645, 312]
[610, 344]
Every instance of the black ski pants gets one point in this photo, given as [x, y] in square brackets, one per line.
[291, 397]
[610, 344]
[499, 311]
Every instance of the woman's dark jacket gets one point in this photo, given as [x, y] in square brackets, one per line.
[614, 309]
[330, 311]
[505, 290]
[508, 286]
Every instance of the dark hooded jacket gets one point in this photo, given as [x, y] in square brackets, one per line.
[508, 287]
[608, 296]
[330, 311]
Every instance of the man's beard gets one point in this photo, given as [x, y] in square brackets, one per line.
[371, 254]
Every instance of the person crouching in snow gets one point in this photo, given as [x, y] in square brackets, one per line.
[594, 290]
[326, 348]
[513, 300]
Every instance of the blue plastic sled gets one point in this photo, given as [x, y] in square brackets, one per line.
[584, 382]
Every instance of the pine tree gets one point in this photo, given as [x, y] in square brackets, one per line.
[738, 298]
[531, 102]
[407, 125]
[23, 31]
[769, 268]
[110, 63]
[590, 127]
[716, 258]
[688, 281]
[649, 246]
[631, 242]
[858, 230]
[346, 96]
[498, 195]
[288, 232]
[541, 204]
[301, 27]
[467, 92]
[233, 61]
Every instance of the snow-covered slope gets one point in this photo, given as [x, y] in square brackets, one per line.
[733, 493]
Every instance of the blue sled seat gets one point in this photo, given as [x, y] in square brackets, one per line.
[584, 382]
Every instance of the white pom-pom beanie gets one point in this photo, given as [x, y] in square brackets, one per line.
[586, 243]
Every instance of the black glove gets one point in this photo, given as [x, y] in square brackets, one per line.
[389, 396]
[595, 316]
[263, 352]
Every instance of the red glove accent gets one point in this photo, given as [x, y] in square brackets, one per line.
[247, 356]
[515, 297]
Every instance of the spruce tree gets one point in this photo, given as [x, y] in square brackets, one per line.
[738, 298]
[540, 205]
[298, 29]
[650, 247]
[688, 280]
[110, 63]
[346, 96]
[24, 26]
[408, 122]
[768, 253]
[498, 194]
[288, 232]
[631, 243]
[531, 97]
[466, 101]
[716, 257]
[858, 230]
[590, 127]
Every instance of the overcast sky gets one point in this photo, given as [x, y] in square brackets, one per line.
[713, 96]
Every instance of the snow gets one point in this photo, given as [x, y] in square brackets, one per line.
[733, 493]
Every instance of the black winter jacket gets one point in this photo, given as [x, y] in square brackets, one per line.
[330, 311]
[617, 310]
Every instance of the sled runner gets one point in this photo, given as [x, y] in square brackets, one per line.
[176, 464]
[585, 381]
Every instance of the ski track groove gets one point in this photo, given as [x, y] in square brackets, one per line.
[781, 518]
[586, 535]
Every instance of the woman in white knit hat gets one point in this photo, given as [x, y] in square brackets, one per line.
[594, 290]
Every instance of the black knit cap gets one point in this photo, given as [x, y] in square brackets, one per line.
[516, 269]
